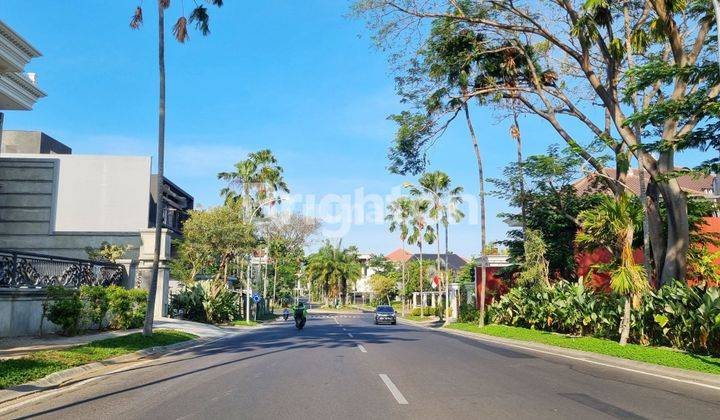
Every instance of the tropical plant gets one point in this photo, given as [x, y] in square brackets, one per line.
[255, 180]
[612, 225]
[107, 252]
[333, 268]
[200, 17]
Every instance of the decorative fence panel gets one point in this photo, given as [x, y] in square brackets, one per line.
[36, 271]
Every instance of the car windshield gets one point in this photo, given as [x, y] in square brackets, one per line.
[385, 309]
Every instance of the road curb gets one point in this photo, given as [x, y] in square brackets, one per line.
[58, 379]
[705, 380]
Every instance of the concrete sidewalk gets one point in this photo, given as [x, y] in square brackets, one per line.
[21, 346]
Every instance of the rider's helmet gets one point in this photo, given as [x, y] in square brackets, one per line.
[300, 304]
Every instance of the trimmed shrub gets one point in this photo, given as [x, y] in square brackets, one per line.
[127, 307]
[428, 311]
[95, 305]
[64, 308]
[468, 313]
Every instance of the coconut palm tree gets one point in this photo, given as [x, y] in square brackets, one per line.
[420, 231]
[444, 204]
[256, 179]
[200, 17]
[611, 224]
[333, 268]
[398, 217]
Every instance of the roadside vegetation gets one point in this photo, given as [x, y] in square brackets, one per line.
[40, 364]
[655, 355]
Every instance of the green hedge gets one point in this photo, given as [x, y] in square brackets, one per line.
[94, 307]
[428, 311]
[678, 315]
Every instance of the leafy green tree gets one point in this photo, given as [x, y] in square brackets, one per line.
[612, 225]
[383, 287]
[200, 17]
[107, 252]
[574, 60]
[552, 205]
[220, 233]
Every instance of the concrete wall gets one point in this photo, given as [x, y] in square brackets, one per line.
[62, 204]
[21, 313]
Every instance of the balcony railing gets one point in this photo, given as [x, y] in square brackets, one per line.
[36, 271]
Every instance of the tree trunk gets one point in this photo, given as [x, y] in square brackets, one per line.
[274, 281]
[150, 314]
[437, 263]
[402, 265]
[678, 232]
[483, 262]
[422, 300]
[447, 276]
[625, 323]
[521, 175]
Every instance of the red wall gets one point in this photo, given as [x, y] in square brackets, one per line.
[496, 287]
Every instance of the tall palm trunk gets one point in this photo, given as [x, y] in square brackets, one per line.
[447, 275]
[150, 314]
[483, 234]
[402, 267]
[422, 299]
[437, 263]
[518, 140]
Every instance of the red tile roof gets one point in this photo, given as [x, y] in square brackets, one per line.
[693, 184]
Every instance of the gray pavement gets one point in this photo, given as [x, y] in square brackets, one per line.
[346, 367]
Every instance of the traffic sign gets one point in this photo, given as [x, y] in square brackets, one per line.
[256, 298]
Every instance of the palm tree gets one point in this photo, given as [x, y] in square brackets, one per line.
[333, 268]
[444, 204]
[399, 218]
[420, 231]
[201, 19]
[258, 178]
[611, 224]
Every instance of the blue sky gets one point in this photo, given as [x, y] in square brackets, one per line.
[298, 77]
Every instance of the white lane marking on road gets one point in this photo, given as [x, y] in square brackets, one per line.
[581, 359]
[344, 329]
[362, 349]
[350, 335]
[393, 389]
[336, 321]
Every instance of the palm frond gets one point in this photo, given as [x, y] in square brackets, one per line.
[180, 30]
[137, 18]
[201, 19]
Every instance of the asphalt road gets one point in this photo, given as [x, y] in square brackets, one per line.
[344, 367]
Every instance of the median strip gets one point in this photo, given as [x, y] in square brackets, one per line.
[393, 389]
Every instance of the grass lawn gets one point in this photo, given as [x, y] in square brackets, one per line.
[43, 363]
[655, 355]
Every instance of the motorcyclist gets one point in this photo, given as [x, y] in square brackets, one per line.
[286, 313]
[300, 314]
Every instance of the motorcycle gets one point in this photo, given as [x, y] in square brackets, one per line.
[299, 319]
[286, 314]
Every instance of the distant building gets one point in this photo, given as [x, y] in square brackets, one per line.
[698, 185]
[35, 142]
[455, 262]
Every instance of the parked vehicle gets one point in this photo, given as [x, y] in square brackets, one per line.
[385, 314]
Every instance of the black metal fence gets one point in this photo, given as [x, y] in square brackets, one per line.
[27, 270]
